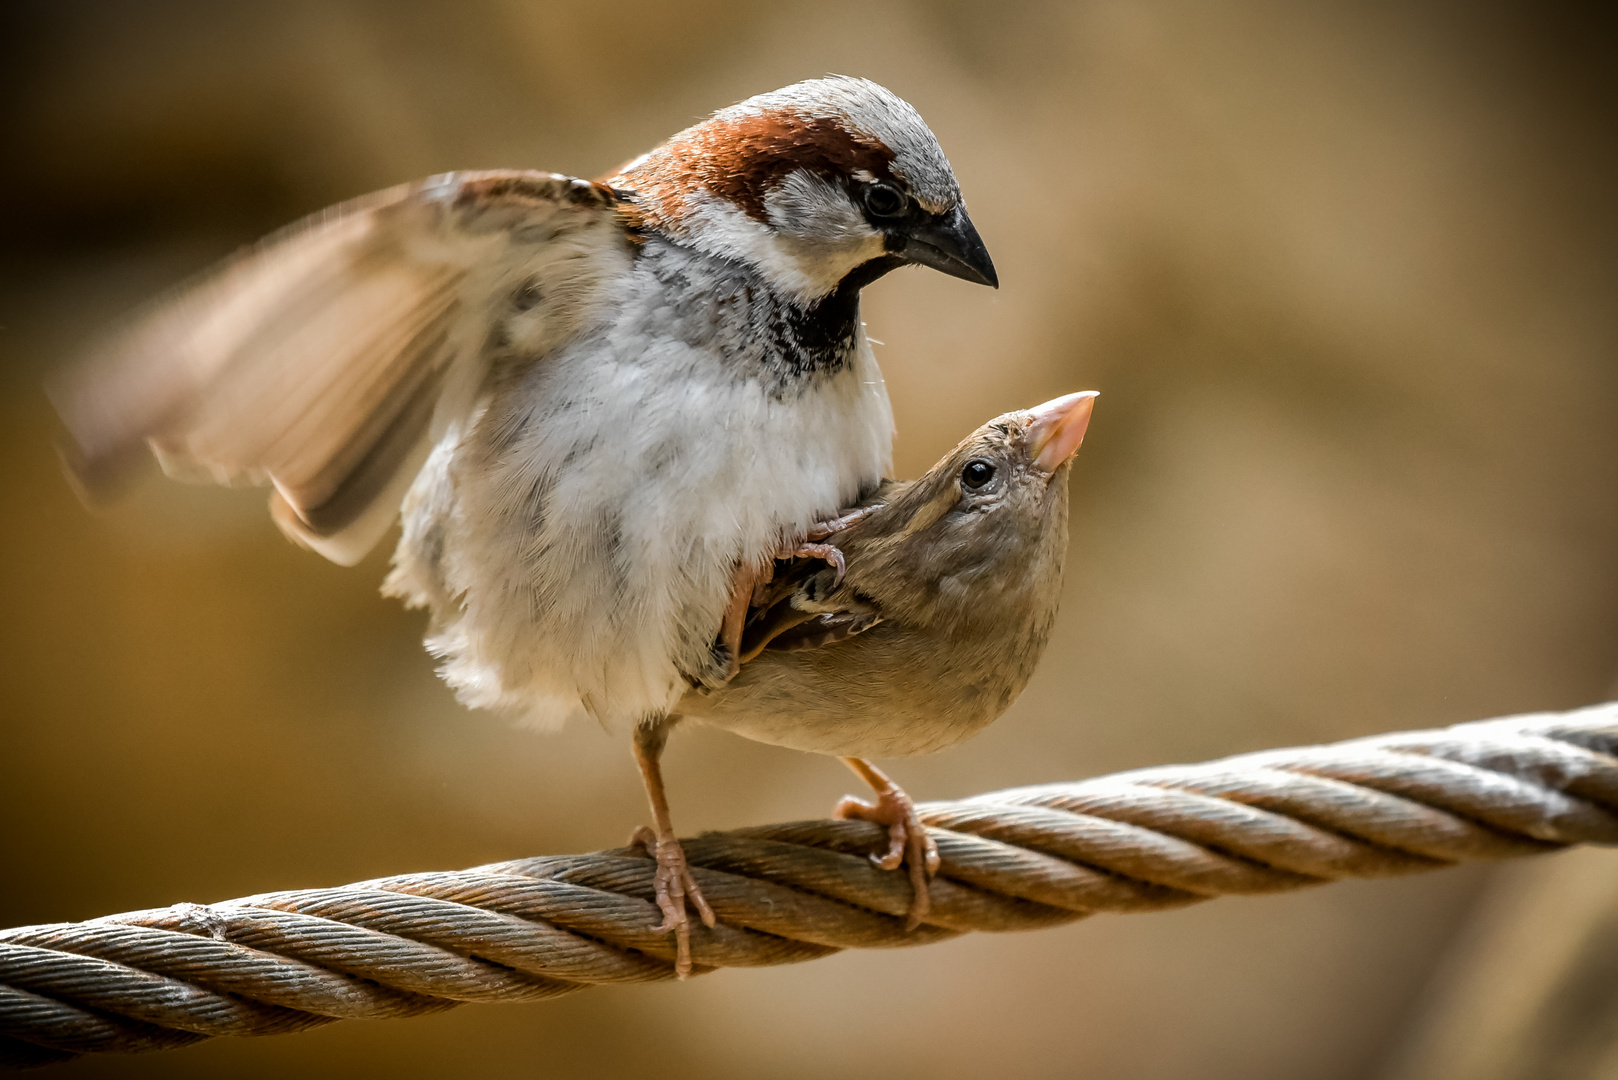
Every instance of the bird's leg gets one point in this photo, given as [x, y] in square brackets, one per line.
[822, 529]
[742, 589]
[748, 585]
[908, 841]
[761, 585]
[673, 881]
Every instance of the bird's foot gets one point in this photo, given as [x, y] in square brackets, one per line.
[814, 546]
[831, 526]
[674, 886]
[830, 552]
[908, 842]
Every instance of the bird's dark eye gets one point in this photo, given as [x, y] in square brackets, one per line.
[977, 473]
[884, 200]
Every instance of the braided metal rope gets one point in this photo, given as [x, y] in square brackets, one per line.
[1012, 860]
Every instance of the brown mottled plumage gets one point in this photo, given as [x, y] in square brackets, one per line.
[947, 602]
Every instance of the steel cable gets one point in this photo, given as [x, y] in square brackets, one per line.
[1029, 857]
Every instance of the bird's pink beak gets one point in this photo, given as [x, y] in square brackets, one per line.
[1058, 428]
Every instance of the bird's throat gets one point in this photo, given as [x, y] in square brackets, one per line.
[824, 334]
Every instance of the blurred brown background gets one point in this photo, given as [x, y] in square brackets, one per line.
[1343, 273]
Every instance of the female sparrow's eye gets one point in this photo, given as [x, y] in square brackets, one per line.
[977, 473]
[884, 200]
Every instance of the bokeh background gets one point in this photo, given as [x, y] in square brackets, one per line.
[1343, 272]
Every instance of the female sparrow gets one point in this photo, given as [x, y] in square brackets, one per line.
[932, 630]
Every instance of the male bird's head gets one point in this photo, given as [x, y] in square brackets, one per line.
[819, 185]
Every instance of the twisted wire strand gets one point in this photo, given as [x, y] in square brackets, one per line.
[1146, 840]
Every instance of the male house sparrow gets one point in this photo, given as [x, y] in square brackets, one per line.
[604, 405]
[950, 589]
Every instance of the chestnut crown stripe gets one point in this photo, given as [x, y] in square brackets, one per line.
[839, 128]
[742, 160]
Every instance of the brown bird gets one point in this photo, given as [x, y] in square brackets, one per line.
[601, 406]
[926, 635]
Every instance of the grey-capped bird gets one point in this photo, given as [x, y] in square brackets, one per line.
[604, 406]
[947, 601]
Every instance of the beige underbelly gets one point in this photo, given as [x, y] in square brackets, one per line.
[882, 694]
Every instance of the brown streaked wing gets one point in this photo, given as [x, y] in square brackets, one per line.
[317, 360]
[825, 629]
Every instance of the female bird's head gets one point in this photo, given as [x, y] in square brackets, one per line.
[981, 538]
[821, 185]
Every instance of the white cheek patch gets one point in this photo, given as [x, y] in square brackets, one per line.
[810, 207]
[811, 244]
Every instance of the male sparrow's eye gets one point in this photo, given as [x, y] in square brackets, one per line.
[884, 200]
[976, 474]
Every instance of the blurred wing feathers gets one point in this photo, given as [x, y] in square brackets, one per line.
[326, 359]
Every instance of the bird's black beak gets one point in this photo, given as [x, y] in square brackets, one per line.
[948, 243]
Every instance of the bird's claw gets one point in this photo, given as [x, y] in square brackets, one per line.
[908, 843]
[830, 552]
[812, 546]
[674, 885]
